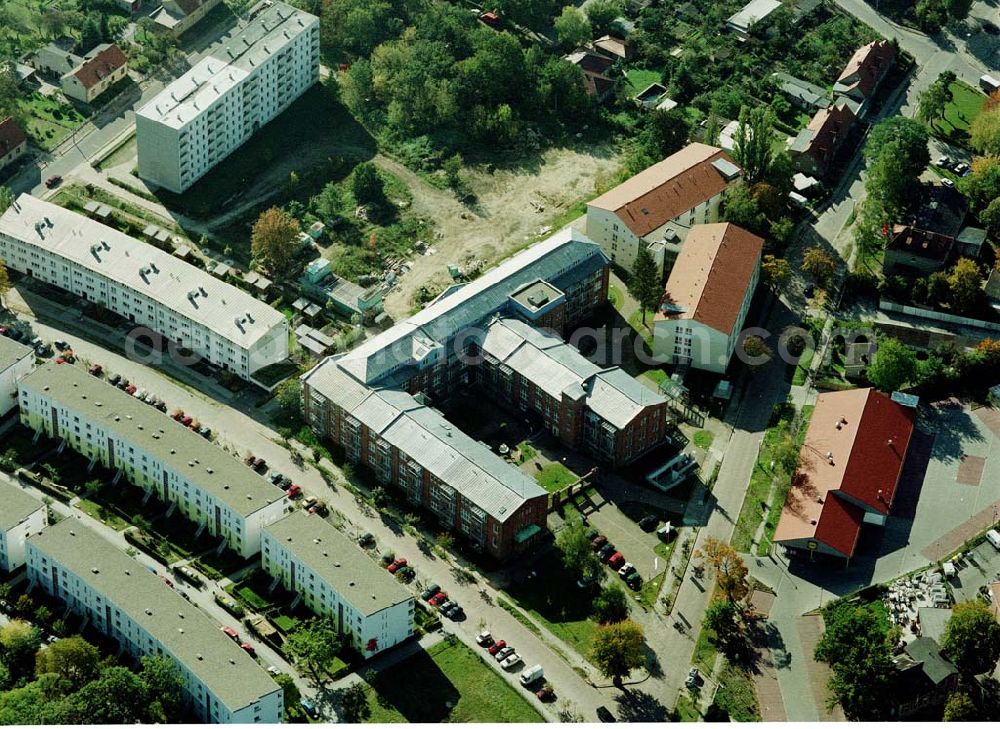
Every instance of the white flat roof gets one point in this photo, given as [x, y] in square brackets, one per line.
[273, 26]
[753, 12]
[144, 268]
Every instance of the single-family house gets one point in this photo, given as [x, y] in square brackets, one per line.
[815, 147]
[864, 73]
[595, 68]
[923, 680]
[13, 142]
[178, 16]
[707, 297]
[614, 46]
[656, 208]
[750, 14]
[849, 471]
[925, 241]
[98, 71]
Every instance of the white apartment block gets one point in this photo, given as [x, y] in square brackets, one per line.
[186, 305]
[337, 580]
[16, 360]
[254, 75]
[21, 516]
[210, 487]
[121, 598]
[656, 208]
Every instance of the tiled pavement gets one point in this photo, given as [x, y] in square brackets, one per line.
[950, 542]
[772, 706]
[810, 629]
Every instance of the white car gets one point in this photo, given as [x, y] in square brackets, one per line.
[484, 639]
[273, 670]
[947, 182]
[627, 569]
[503, 653]
[510, 661]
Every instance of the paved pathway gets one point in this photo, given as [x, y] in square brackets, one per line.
[765, 677]
[810, 628]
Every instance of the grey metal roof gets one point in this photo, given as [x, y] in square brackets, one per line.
[190, 636]
[199, 461]
[339, 562]
[12, 352]
[561, 260]
[809, 93]
[16, 505]
[143, 268]
[935, 666]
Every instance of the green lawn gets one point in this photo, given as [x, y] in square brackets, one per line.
[686, 709]
[555, 476]
[780, 494]
[102, 514]
[703, 439]
[964, 107]
[650, 590]
[640, 78]
[285, 623]
[447, 683]
[799, 378]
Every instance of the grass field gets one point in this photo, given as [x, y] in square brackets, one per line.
[964, 107]
[703, 439]
[102, 514]
[555, 476]
[640, 78]
[447, 683]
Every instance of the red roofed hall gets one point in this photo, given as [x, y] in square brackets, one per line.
[656, 208]
[849, 469]
[13, 141]
[103, 67]
[707, 297]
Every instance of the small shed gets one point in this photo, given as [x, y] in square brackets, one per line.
[222, 270]
[857, 357]
[183, 252]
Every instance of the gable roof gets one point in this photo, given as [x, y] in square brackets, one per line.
[590, 62]
[866, 68]
[926, 652]
[669, 188]
[614, 45]
[866, 435]
[11, 135]
[824, 132]
[709, 280]
[99, 64]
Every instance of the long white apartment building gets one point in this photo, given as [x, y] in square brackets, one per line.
[21, 515]
[249, 78]
[337, 580]
[210, 487]
[140, 282]
[16, 360]
[122, 599]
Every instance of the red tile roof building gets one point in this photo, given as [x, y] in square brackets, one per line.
[101, 68]
[864, 72]
[13, 141]
[849, 470]
[815, 146]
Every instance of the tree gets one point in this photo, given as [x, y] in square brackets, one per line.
[289, 690]
[572, 27]
[984, 132]
[577, 555]
[314, 645]
[644, 285]
[72, 658]
[165, 684]
[933, 102]
[931, 15]
[982, 184]
[730, 571]
[893, 366]
[856, 645]
[288, 397]
[4, 281]
[960, 708]
[618, 649]
[19, 641]
[820, 265]
[990, 217]
[274, 240]
[602, 14]
[6, 199]
[452, 167]
[90, 33]
[972, 638]
[776, 272]
[611, 605]
[367, 185]
[752, 142]
[353, 705]
[966, 284]
[722, 619]
[741, 208]
[912, 138]
[958, 9]
[756, 349]
[117, 697]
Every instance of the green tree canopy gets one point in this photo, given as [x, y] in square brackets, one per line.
[972, 638]
[73, 658]
[959, 707]
[618, 649]
[572, 27]
[577, 556]
[117, 697]
[753, 140]
[165, 684]
[352, 703]
[602, 14]
[314, 645]
[367, 185]
[893, 366]
[644, 284]
[984, 132]
[611, 604]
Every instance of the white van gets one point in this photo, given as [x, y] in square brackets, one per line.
[993, 537]
[530, 675]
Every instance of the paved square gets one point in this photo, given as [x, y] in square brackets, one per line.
[970, 470]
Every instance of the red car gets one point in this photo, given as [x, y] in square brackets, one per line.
[178, 416]
[131, 389]
[96, 370]
[167, 580]
[490, 19]
[439, 599]
[60, 360]
[401, 562]
[248, 648]
[186, 421]
[497, 647]
[293, 491]
[599, 541]
[231, 632]
[616, 561]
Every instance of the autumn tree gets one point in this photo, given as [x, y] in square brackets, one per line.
[984, 132]
[959, 707]
[756, 350]
[820, 265]
[274, 240]
[972, 638]
[644, 284]
[776, 272]
[618, 649]
[730, 572]
[966, 284]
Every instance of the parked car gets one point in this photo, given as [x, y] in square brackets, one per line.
[626, 569]
[308, 706]
[276, 477]
[545, 693]
[497, 647]
[605, 552]
[445, 606]
[947, 182]
[231, 632]
[61, 345]
[648, 523]
[273, 670]
[457, 613]
[96, 370]
[604, 715]
[510, 661]
[293, 491]
[310, 502]
[503, 653]
[438, 599]
[634, 581]
[530, 675]
[962, 169]
[484, 639]
[693, 678]
[190, 575]
[248, 459]
[260, 465]
[599, 541]
[430, 591]
[122, 384]
[616, 560]
[205, 432]
[285, 483]
[320, 508]
[140, 393]
[943, 161]
[248, 648]
[114, 379]
[586, 582]
[592, 534]
[394, 565]
[54, 181]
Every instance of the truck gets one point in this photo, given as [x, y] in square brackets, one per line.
[988, 83]
[530, 675]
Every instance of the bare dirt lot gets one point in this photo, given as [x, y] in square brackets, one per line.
[511, 209]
